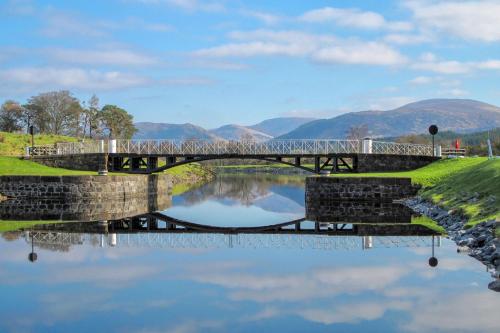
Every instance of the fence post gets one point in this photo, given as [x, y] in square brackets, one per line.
[112, 146]
[101, 146]
[438, 151]
[367, 145]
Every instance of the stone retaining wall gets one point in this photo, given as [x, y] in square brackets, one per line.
[83, 162]
[321, 188]
[387, 163]
[94, 188]
[29, 209]
[344, 211]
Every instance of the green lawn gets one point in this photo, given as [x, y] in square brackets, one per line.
[13, 166]
[16, 225]
[14, 144]
[470, 185]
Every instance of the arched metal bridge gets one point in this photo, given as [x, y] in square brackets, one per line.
[160, 230]
[148, 156]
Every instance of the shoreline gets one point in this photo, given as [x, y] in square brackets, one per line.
[478, 241]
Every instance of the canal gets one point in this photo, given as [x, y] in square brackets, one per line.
[150, 275]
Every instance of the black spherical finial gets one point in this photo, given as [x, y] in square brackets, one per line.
[32, 257]
[433, 129]
[433, 262]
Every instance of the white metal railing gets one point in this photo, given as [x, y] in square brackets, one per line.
[200, 147]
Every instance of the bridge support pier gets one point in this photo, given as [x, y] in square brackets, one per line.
[152, 163]
[117, 163]
[171, 160]
[317, 166]
[135, 163]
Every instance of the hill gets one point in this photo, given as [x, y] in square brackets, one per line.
[459, 115]
[237, 132]
[148, 130]
[279, 126]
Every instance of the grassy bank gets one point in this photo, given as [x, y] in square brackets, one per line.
[13, 166]
[13, 144]
[469, 185]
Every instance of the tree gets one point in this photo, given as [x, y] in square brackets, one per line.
[57, 112]
[117, 122]
[358, 132]
[11, 116]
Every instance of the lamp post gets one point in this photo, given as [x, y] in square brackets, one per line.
[433, 130]
[32, 256]
[32, 133]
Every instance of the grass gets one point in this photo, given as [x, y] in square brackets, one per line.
[16, 225]
[14, 144]
[13, 166]
[469, 185]
[188, 176]
[427, 222]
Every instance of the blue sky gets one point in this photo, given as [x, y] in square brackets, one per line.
[217, 62]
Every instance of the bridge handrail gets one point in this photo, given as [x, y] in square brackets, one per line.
[204, 147]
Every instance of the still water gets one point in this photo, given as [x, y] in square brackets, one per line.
[150, 275]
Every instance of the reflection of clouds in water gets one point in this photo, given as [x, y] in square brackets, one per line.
[115, 276]
[352, 313]
[469, 312]
[70, 306]
[188, 326]
[321, 283]
[426, 306]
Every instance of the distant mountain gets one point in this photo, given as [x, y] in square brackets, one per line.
[237, 132]
[459, 115]
[279, 126]
[187, 131]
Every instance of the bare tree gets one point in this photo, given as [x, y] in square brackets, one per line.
[58, 112]
[358, 132]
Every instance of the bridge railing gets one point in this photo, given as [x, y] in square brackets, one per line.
[394, 148]
[274, 147]
[200, 147]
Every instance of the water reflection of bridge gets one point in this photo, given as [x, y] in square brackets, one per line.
[161, 231]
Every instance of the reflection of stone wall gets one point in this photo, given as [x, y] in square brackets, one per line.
[88, 162]
[325, 189]
[384, 163]
[83, 210]
[358, 212]
[96, 188]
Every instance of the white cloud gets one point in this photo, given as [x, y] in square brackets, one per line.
[419, 80]
[102, 57]
[429, 62]
[31, 78]
[266, 18]
[408, 39]
[320, 48]
[472, 20]
[363, 53]
[353, 17]
[188, 5]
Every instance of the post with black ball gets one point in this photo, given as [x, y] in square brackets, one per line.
[32, 133]
[433, 130]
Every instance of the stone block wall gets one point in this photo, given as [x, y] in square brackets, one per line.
[388, 163]
[27, 209]
[95, 188]
[84, 162]
[351, 211]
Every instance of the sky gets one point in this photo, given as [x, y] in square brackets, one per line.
[216, 62]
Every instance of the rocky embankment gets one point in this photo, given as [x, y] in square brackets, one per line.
[479, 241]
